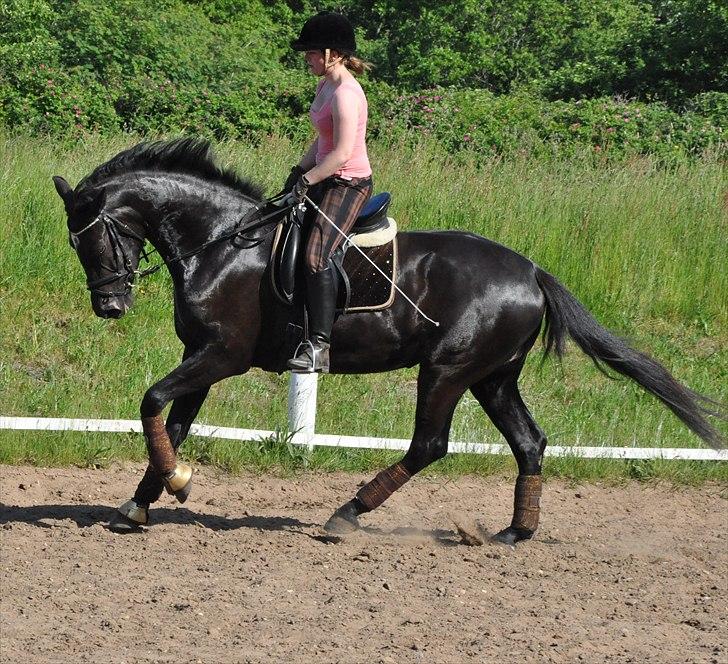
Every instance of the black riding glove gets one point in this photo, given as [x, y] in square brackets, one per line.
[296, 172]
[298, 193]
[284, 194]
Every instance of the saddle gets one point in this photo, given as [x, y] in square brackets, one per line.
[361, 287]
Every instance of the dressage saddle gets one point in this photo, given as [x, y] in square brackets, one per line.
[373, 228]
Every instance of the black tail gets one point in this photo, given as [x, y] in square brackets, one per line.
[566, 315]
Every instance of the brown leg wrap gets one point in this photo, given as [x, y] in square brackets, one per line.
[526, 502]
[161, 453]
[383, 486]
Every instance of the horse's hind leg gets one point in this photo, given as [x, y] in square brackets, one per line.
[437, 396]
[135, 512]
[501, 400]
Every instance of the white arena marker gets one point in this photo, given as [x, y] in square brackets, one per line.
[302, 393]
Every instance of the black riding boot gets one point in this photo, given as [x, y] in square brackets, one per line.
[313, 355]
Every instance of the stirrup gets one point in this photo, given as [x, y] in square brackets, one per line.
[312, 356]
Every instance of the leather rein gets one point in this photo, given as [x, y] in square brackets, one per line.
[115, 229]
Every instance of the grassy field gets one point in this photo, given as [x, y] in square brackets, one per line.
[642, 247]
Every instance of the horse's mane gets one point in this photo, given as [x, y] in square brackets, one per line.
[191, 156]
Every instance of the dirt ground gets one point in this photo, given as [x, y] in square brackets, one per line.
[240, 573]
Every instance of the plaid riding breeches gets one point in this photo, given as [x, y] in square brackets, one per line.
[342, 201]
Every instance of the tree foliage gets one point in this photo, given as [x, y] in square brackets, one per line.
[224, 67]
[580, 48]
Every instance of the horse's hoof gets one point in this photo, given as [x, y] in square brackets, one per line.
[511, 535]
[184, 492]
[343, 521]
[337, 525]
[129, 518]
[179, 482]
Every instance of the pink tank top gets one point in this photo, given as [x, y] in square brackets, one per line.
[358, 164]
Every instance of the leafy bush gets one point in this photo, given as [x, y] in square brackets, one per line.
[577, 48]
[142, 65]
[488, 124]
[485, 77]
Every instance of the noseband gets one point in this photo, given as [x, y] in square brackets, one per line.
[115, 229]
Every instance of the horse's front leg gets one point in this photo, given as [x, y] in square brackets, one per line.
[193, 377]
[135, 512]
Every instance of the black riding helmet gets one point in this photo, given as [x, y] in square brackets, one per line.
[326, 30]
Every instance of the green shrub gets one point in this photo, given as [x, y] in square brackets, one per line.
[223, 69]
[47, 99]
[712, 106]
[614, 128]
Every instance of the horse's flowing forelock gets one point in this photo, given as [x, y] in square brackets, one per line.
[191, 156]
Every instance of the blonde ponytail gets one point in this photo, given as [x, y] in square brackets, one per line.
[356, 65]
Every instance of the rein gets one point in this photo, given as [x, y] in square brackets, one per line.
[237, 232]
[115, 228]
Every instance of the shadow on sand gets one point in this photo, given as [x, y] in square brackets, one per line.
[85, 516]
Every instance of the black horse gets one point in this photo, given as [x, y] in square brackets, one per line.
[490, 301]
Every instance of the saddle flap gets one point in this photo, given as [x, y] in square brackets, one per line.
[286, 248]
[362, 288]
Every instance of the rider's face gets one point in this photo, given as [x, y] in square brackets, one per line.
[315, 62]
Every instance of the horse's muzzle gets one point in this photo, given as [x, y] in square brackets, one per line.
[114, 306]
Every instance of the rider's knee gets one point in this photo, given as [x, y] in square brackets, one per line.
[316, 264]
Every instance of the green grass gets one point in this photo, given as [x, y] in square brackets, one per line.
[642, 247]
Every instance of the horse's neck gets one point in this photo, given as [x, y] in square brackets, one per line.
[180, 218]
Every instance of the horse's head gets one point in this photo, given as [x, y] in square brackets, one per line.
[107, 247]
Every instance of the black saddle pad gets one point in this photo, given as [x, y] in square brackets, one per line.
[368, 289]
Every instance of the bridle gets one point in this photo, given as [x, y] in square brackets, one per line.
[123, 269]
[114, 229]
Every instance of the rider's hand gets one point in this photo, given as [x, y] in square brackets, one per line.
[285, 193]
[300, 189]
[296, 172]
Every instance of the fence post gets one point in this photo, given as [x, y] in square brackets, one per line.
[302, 391]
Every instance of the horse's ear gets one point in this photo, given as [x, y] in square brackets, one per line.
[100, 199]
[65, 192]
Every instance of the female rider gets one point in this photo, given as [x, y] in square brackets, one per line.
[334, 172]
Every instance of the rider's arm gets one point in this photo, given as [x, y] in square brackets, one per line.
[345, 113]
[308, 160]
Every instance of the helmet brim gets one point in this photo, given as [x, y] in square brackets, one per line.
[298, 45]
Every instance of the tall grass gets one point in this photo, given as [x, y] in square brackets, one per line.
[642, 247]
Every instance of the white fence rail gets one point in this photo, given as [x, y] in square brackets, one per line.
[302, 392]
[588, 452]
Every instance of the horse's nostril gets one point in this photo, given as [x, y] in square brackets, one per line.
[107, 308]
[111, 306]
